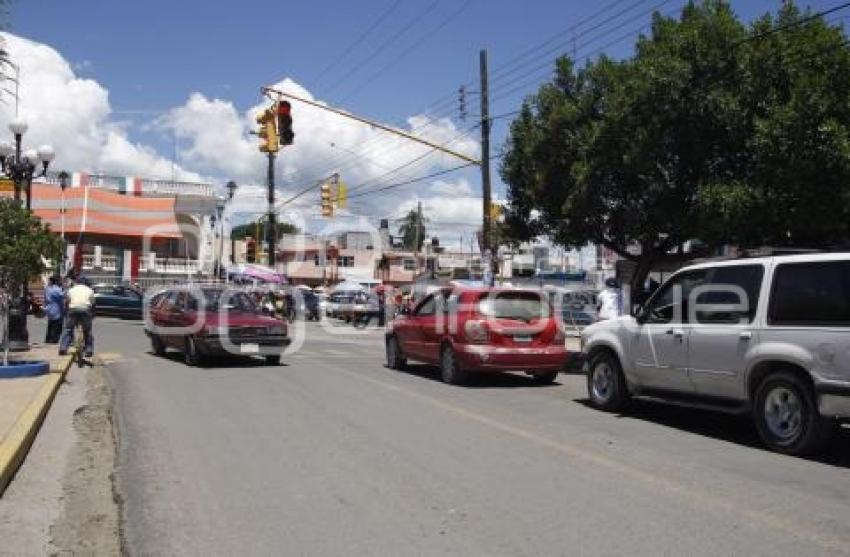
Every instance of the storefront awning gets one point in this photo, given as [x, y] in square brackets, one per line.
[91, 210]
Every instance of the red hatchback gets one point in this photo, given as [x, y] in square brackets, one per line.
[471, 330]
[207, 321]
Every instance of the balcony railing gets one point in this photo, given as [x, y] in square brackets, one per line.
[107, 262]
[168, 265]
[149, 187]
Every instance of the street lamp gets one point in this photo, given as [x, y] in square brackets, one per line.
[64, 182]
[21, 169]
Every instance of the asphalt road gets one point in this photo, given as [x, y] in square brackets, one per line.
[332, 453]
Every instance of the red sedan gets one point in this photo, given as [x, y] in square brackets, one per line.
[472, 330]
[209, 321]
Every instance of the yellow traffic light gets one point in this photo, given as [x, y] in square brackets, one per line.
[327, 203]
[269, 141]
[341, 194]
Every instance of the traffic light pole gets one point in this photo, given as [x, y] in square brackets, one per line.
[486, 249]
[271, 232]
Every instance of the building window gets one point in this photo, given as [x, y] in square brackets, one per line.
[317, 260]
[409, 264]
[346, 261]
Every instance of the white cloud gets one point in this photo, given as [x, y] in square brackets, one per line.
[73, 115]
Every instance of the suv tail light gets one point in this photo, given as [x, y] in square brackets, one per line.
[476, 332]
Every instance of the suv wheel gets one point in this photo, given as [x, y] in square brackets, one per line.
[786, 415]
[157, 345]
[191, 355]
[606, 385]
[273, 359]
[395, 359]
[450, 369]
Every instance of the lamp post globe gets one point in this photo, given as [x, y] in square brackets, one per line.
[18, 126]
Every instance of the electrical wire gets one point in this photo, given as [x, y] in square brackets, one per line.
[383, 46]
[357, 42]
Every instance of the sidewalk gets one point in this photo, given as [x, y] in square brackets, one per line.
[23, 404]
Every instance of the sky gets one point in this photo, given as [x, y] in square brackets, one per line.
[167, 89]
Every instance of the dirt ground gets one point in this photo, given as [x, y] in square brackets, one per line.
[89, 520]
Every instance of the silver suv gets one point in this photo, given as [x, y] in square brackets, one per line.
[769, 336]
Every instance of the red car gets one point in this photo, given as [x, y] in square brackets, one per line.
[471, 330]
[207, 321]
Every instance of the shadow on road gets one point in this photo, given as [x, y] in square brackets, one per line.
[725, 427]
[484, 380]
[218, 362]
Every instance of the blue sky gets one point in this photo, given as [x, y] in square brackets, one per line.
[154, 54]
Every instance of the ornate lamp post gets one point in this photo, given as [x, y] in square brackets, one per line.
[21, 169]
[231, 191]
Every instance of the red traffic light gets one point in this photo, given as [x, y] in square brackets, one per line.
[284, 108]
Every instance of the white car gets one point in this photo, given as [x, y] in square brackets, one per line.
[769, 336]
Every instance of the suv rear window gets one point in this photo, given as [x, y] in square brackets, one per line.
[813, 294]
[523, 306]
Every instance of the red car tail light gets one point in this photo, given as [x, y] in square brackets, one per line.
[559, 338]
[476, 332]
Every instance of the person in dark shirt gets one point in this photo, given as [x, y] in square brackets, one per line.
[54, 305]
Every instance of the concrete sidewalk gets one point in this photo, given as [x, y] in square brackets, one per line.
[23, 404]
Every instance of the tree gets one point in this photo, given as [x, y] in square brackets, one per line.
[249, 230]
[25, 242]
[412, 230]
[712, 131]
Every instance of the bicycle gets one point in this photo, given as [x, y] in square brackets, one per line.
[79, 346]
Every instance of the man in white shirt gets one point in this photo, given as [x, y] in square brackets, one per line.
[79, 300]
[609, 301]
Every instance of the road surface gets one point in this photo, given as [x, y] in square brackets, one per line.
[332, 453]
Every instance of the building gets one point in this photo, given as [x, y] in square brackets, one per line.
[128, 228]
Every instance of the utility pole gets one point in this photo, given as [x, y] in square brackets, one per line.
[486, 251]
[272, 218]
[418, 232]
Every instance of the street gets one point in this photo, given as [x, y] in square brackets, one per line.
[333, 453]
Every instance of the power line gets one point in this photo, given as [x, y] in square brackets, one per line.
[410, 24]
[357, 42]
[419, 42]
[414, 181]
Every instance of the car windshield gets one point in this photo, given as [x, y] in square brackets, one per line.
[523, 306]
[232, 300]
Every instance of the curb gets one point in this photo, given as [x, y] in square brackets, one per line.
[15, 446]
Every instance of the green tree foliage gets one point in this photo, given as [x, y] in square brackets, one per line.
[24, 241]
[713, 131]
[412, 230]
[249, 230]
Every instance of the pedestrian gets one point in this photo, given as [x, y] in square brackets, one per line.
[609, 302]
[79, 304]
[54, 304]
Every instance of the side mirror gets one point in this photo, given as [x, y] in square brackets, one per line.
[641, 314]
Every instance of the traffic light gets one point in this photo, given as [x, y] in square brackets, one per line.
[327, 202]
[495, 211]
[250, 250]
[268, 131]
[341, 194]
[284, 123]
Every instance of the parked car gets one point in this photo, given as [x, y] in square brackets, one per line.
[764, 336]
[340, 302]
[363, 307]
[479, 329]
[118, 300]
[228, 317]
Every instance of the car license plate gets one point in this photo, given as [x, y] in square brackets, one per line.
[249, 348]
[522, 338]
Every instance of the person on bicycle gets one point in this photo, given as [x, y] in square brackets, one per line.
[79, 302]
